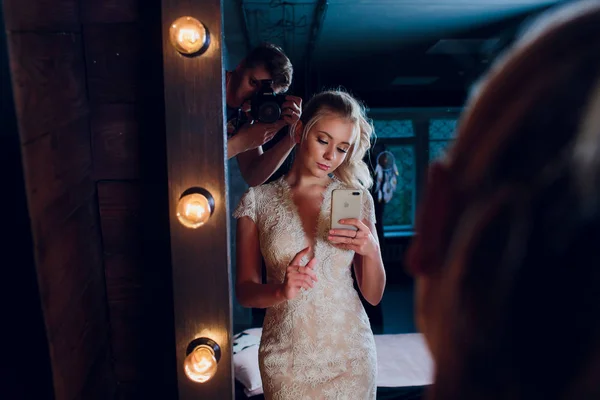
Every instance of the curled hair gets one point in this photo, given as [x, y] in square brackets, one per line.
[353, 171]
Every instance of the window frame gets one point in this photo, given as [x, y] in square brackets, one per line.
[420, 118]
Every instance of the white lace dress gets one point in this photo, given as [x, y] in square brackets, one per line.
[320, 344]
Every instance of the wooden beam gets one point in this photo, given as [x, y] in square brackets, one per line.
[196, 156]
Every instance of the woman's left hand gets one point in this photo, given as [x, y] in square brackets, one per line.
[361, 241]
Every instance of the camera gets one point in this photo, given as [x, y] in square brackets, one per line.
[266, 104]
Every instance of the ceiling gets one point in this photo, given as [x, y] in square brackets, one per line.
[391, 53]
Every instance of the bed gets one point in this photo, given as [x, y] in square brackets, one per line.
[403, 361]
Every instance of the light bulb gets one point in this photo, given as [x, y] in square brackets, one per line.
[195, 207]
[189, 36]
[201, 365]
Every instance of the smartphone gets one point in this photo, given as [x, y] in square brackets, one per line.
[345, 203]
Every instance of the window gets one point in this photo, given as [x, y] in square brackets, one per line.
[398, 214]
[441, 134]
[415, 137]
[394, 128]
[398, 137]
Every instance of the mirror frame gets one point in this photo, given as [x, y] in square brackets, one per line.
[196, 157]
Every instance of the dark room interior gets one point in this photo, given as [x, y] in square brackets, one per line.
[103, 125]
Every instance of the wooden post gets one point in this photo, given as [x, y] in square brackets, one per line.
[196, 157]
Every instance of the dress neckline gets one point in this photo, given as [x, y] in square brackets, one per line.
[286, 194]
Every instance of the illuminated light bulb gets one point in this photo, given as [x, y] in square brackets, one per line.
[189, 36]
[195, 207]
[200, 364]
[194, 210]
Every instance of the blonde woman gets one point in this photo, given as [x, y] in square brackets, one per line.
[316, 342]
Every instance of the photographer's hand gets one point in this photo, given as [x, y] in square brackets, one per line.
[292, 109]
[256, 167]
[250, 136]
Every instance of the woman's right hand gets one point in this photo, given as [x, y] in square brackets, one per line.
[298, 277]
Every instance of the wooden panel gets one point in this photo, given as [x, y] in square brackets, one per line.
[128, 340]
[53, 15]
[73, 294]
[72, 290]
[52, 111]
[58, 172]
[24, 333]
[99, 385]
[119, 204]
[124, 277]
[72, 245]
[49, 81]
[129, 390]
[112, 57]
[196, 157]
[115, 141]
[109, 11]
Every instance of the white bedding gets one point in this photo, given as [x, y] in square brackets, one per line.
[402, 360]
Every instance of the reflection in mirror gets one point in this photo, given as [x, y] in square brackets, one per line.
[413, 65]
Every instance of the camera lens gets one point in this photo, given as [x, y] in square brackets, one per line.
[269, 112]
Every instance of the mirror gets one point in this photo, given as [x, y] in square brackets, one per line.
[413, 65]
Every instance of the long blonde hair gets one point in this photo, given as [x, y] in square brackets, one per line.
[353, 171]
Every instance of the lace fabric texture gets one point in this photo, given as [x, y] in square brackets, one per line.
[320, 344]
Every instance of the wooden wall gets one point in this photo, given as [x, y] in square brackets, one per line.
[23, 333]
[87, 79]
[49, 82]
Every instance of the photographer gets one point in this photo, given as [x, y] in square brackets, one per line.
[246, 136]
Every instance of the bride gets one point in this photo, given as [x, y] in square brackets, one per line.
[317, 342]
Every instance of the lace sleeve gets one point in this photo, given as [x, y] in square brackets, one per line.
[368, 207]
[246, 206]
